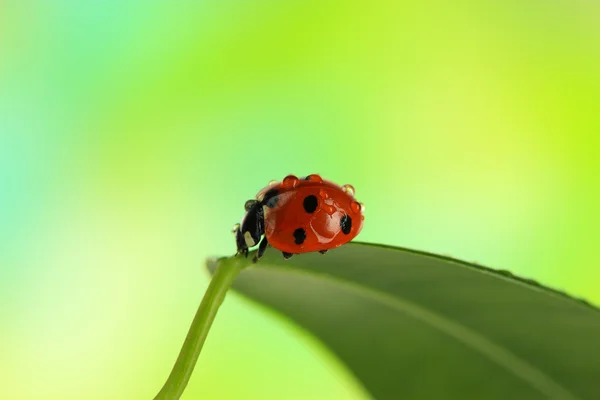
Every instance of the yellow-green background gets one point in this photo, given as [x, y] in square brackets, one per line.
[132, 132]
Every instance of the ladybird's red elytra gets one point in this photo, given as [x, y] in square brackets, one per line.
[300, 215]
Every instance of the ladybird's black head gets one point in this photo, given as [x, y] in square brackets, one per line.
[252, 227]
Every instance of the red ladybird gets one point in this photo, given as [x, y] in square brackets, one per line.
[300, 216]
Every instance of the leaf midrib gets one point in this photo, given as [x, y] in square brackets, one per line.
[469, 337]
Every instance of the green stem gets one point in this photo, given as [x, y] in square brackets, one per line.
[184, 366]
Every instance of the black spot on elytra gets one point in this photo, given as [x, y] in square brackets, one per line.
[346, 224]
[299, 236]
[310, 203]
[271, 198]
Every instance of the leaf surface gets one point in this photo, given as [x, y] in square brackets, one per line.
[413, 325]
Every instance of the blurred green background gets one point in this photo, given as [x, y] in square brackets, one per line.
[132, 132]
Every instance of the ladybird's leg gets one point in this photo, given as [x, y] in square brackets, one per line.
[261, 249]
[286, 255]
[245, 251]
[322, 251]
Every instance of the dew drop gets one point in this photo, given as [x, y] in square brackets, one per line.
[290, 181]
[348, 189]
[235, 228]
[356, 207]
[323, 194]
[272, 182]
[330, 210]
[249, 204]
[314, 178]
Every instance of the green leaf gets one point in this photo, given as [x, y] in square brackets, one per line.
[412, 325]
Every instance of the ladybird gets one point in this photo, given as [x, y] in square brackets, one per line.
[299, 215]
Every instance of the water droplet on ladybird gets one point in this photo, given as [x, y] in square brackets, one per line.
[249, 204]
[323, 194]
[314, 178]
[348, 189]
[290, 181]
[330, 210]
[356, 207]
[272, 182]
[235, 228]
[362, 207]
